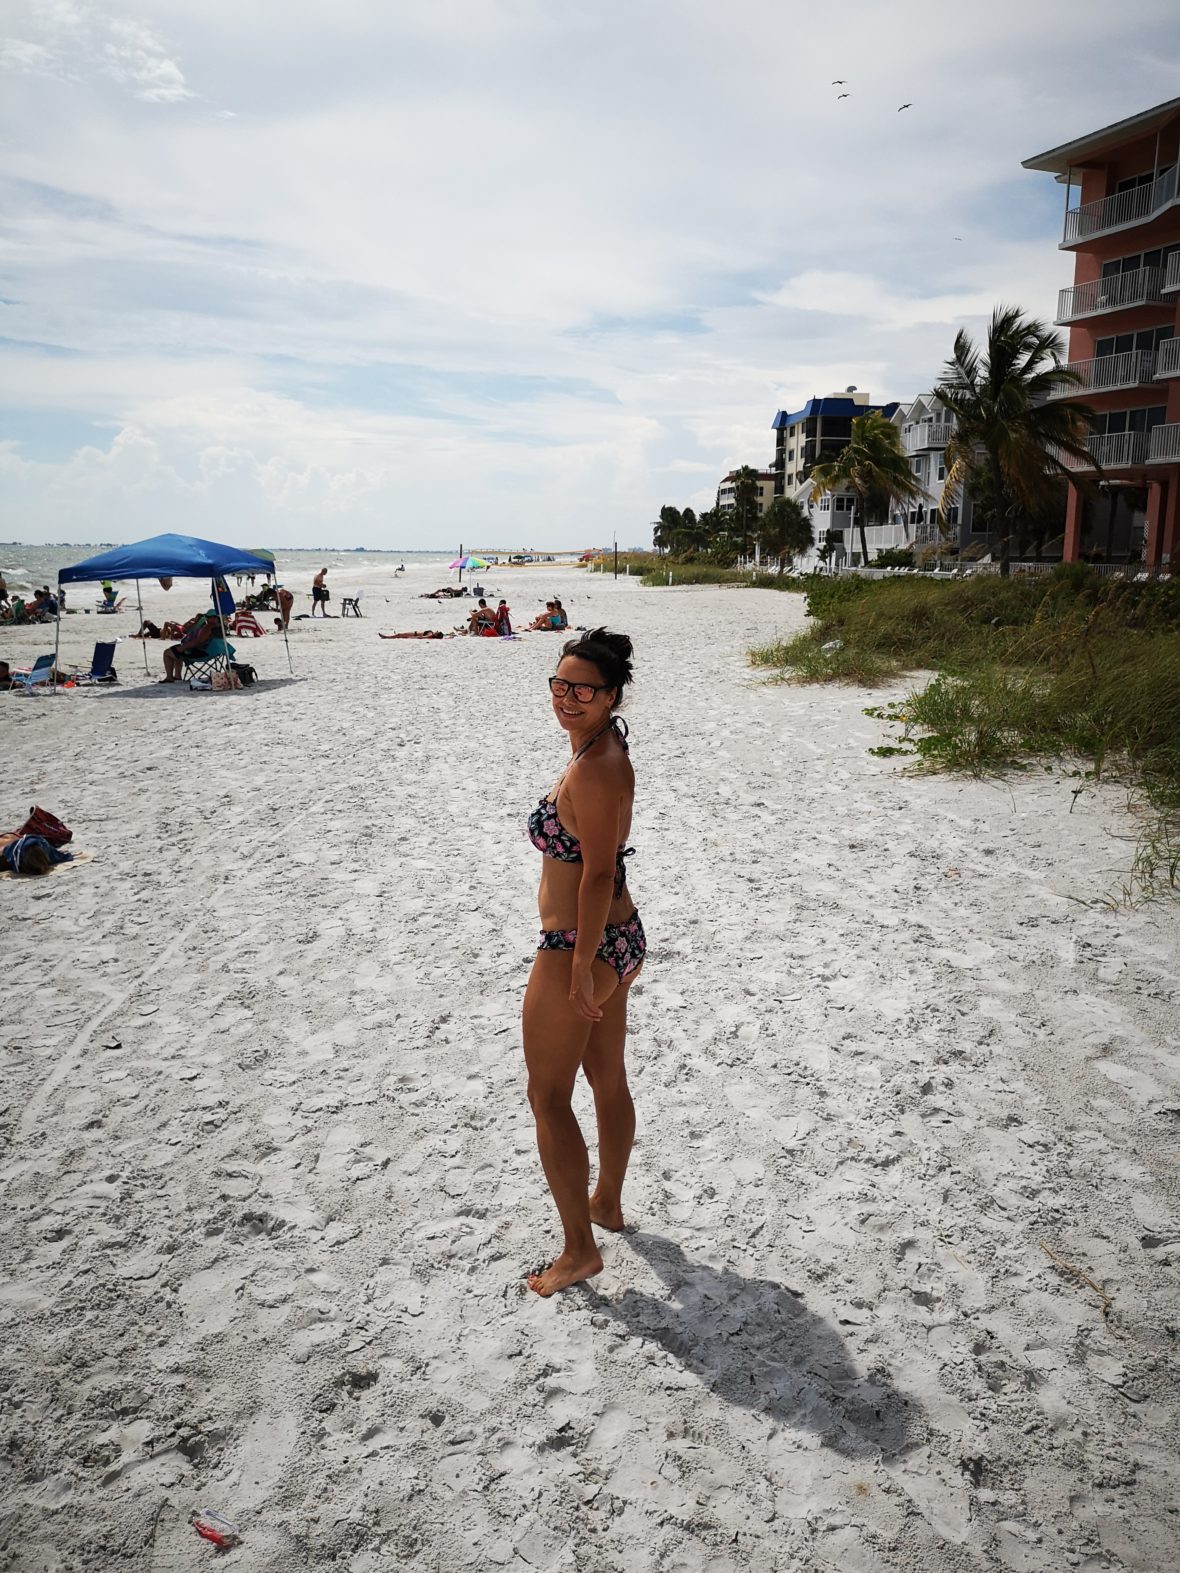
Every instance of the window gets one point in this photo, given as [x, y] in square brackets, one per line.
[1148, 339]
[1110, 423]
[942, 471]
[1155, 258]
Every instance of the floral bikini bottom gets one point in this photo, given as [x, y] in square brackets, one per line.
[623, 947]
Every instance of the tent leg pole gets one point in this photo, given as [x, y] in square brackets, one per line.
[283, 621]
[57, 638]
[221, 620]
[142, 640]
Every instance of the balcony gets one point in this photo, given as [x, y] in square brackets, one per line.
[1167, 359]
[931, 434]
[1144, 287]
[1121, 211]
[1165, 445]
[1172, 274]
[1129, 370]
[1121, 450]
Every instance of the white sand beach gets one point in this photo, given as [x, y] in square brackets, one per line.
[268, 1187]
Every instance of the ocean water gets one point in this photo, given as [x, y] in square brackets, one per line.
[27, 567]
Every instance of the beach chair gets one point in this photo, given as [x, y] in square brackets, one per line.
[246, 623]
[102, 665]
[108, 608]
[38, 675]
[350, 606]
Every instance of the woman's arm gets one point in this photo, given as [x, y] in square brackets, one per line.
[596, 800]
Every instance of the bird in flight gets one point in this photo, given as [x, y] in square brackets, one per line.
[839, 82]
[904, 106]
[839, 96]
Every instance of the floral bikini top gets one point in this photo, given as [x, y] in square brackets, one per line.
[549, 835]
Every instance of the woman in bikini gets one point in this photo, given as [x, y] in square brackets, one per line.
[591, 949]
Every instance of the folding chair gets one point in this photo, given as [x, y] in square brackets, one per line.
[200, 666]
[350, 606]
[102, 665]
[39, 674]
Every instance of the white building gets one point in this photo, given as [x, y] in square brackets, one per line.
[926, 429]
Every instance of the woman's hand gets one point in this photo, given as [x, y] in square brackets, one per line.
[582, 993]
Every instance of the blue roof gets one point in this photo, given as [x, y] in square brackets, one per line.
[833, 407]
[167, 557]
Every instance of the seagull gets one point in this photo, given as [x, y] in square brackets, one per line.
[839, 96]
[904, 106]
[839, 82]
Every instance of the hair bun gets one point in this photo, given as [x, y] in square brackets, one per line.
[610, 653]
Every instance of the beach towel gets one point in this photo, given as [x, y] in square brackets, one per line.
[15, 852]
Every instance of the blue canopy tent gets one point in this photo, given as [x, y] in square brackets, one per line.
[167, 557]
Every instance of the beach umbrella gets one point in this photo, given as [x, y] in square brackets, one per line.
[468, 562]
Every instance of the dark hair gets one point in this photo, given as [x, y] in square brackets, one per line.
[610, 653]
[35, 860]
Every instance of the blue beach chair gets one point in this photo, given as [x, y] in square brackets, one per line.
[102, 665]
[40, 674]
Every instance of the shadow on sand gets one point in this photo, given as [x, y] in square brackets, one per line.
[754, 1343]
[146, 689]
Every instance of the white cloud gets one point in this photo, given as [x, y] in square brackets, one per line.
[305, 260]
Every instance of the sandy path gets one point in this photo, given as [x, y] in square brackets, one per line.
[269, 1186]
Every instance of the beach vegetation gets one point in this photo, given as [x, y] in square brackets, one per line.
[1012, 429]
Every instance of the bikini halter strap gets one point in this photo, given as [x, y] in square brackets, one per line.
[617, 725]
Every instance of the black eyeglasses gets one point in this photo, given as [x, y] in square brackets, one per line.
[583, 692]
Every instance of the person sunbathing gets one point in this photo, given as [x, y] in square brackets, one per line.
[147, 630]
[548, 620]
[201, 637]
[426, 633]
[481, 618]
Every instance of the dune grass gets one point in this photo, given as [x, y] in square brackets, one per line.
[1063, 668]
[711, 573]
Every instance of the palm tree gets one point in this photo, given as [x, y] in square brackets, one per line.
[745, 502]
[872, 467]
[785, 530]
[1011, 433]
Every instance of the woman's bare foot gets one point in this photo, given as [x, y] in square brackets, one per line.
[564, 1272]
[607, 1215]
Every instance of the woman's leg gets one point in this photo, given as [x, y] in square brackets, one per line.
[555, 1040]
[606, 1072]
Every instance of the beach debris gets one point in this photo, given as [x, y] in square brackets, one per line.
[216, 1528]
[1076, 1272]
[832, 646]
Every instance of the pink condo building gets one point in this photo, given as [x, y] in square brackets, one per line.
[1123, 316]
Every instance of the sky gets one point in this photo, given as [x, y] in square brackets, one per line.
[404, 273]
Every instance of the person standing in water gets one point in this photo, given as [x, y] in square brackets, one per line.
[591, 950]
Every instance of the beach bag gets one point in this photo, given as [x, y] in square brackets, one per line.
[245, 673]
[224, 680]
[42, 823]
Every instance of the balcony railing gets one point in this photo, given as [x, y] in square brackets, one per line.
[1128, 370]
[1121, 210]
[1167, 359]
[1172, 273]
[1120, 450]
[931, 434]
[1141, 288]
[1165, 445]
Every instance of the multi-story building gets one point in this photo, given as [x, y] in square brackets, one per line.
[812, 435]
[726, 501]
[1123, 315]
[926, 428]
